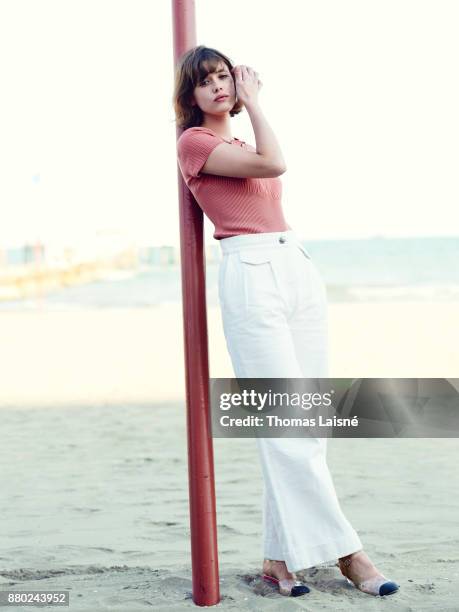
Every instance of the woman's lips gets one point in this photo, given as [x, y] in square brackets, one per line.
[221, 98]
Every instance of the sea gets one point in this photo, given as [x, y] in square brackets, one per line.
[373, 269]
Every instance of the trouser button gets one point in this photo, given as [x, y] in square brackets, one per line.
[282, 238]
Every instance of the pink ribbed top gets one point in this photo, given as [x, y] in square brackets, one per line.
[234, 205]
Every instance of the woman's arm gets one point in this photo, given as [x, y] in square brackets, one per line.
[228, 160]
[265, 138]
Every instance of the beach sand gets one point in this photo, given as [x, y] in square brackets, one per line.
[106, 356]
[94, 482]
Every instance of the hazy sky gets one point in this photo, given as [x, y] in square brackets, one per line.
[363, 96]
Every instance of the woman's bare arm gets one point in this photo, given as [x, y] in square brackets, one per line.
[267, 145]
[228, 160]
[267, 161]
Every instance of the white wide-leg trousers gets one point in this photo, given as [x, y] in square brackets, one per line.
[274, 311]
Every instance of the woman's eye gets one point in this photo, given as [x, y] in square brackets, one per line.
[223, 76]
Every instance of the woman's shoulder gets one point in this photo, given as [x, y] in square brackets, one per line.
[199, 128]
[196, 130]
[194, 147]
[196, 135]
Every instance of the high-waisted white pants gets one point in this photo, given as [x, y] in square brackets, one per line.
[274, 312]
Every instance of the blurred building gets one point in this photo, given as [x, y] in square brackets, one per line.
[20, 255]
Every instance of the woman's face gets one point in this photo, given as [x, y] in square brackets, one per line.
[216, 84]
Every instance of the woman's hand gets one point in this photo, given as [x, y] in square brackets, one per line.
[247, 84]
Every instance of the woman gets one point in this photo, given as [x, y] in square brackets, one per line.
[274, 310]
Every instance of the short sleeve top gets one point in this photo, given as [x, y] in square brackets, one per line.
[234, 205]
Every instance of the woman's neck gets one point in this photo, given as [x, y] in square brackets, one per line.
[220, 126]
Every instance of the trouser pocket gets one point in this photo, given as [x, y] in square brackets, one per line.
[260, 285]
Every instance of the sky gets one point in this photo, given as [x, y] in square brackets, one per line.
[362, 96]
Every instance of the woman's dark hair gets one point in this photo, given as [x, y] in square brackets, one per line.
[189, 72]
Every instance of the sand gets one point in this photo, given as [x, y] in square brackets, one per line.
[106, 356]
[94, 490]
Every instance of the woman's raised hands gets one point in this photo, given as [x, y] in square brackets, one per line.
[247, 84]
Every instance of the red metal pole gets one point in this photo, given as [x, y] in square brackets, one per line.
[203, 526]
